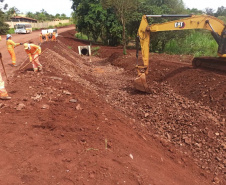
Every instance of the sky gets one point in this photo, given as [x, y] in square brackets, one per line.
[64, 6]
[50, 6]
[202, 4]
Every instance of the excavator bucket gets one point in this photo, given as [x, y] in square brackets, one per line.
[141, 84]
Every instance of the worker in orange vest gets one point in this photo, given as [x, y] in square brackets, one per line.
[54, 36]
[40, 36]
[10, 46]
[3, 93]
[33, 52]
[47, 36]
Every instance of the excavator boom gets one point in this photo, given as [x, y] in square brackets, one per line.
[188, 22]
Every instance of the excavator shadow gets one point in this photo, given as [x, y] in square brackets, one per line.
[174, 73]
[133, 91]
[26, 69]
[219, 71]
[29, 69]
[215, 65]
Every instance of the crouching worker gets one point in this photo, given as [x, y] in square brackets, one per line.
[3, 92]
[54, 36]
[33, 52]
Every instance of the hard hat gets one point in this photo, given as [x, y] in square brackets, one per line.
[8, 36]
[26, 46]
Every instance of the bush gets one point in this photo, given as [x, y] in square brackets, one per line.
[11, 31]
[63, 24]
[79, 35]
[95, 51]
[33, 29]
[198, 43]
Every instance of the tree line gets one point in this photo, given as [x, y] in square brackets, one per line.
[41, 16]
[116, 22]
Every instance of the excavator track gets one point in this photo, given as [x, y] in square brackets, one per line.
[210, 63]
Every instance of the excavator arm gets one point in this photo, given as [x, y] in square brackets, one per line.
[216, 26]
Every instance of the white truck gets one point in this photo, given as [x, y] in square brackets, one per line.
[23, 28]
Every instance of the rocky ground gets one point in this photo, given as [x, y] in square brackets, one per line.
[80, 120]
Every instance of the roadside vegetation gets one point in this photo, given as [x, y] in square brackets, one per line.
[197, 43]
[116, 23]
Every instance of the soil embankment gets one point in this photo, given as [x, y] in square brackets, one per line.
[80, 121]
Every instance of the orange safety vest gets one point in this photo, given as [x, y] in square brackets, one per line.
[11, 45]
[34, 49]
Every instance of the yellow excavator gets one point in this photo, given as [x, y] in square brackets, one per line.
[216, 26]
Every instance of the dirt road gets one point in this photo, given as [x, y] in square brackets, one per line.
[80, 121]
[19, 50]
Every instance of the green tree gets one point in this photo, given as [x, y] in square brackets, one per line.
[91, 18]
[122, 8]
[3, 26]
[57, 16]
[3, 5]
[75, 4]
[221, 11]
[156, 7]
[113, 29]
[63, 16]
[30, 15]
[194, 11]
[209, 11]
[96, 22]
[11, 13]
[121, 18]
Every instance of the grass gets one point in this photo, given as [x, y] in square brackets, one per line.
[198, 43]
[95, 51]
[81, 36]
[69, 47]
[11, 31]
[63, 24]
[33, 29]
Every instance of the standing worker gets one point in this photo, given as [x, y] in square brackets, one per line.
[33, 52]
[40, 35]
[10, 46]
[47, 36]
[3, 93]
[54, 36]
